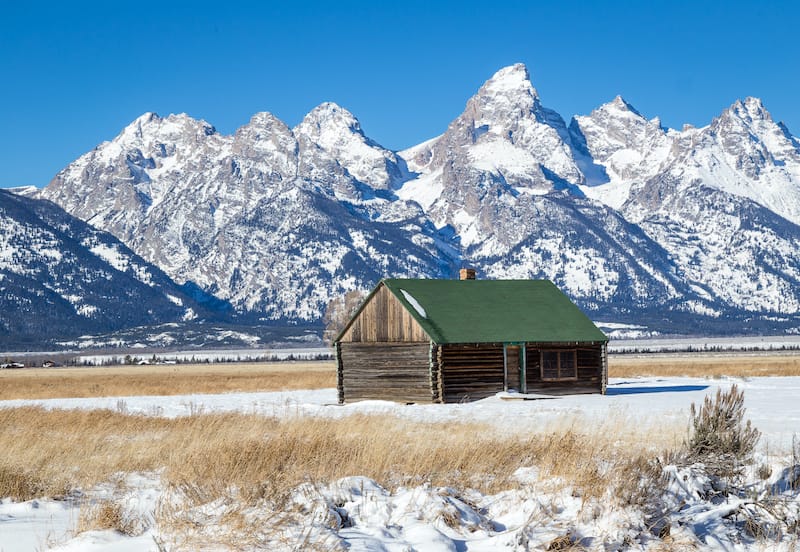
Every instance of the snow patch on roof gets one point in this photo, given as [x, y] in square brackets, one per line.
[414, 303]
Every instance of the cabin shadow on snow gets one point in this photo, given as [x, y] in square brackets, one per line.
[611, 390]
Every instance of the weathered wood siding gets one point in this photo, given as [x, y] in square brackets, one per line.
[590, 369]
[386, 371]
[470, 372]
[337, 348]
[604, 354]
[436, 377]
[384, 320]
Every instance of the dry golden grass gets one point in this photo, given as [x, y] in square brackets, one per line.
[264, 458]
[110, 514]
[178, 379]
[704, 365]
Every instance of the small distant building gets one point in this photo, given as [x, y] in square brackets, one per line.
[443, 341]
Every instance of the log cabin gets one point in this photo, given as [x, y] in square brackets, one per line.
[444, 341]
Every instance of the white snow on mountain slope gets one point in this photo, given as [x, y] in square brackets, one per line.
[425, 189]
[503, 178]
[121, 262]
[691, 192]
[418, 157]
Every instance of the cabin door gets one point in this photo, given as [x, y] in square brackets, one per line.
[512, 375]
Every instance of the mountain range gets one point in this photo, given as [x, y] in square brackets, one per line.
[656, 230]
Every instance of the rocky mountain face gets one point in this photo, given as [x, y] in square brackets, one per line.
[722, 200]
[692, 230]
[60, 277]
[274, 220]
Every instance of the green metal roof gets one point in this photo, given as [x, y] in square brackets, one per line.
[493, 311]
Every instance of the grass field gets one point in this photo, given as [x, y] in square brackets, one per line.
[90, 446]
[702, 365]
[177, 379]
[180, 379]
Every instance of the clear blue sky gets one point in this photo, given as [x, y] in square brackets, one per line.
[75, 73]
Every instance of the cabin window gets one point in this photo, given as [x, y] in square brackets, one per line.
[559, 365]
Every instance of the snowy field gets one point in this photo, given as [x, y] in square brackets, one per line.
[355, 513]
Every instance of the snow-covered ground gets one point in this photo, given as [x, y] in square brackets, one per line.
[360, 515]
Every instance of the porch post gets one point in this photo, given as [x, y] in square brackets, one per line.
[505, 368]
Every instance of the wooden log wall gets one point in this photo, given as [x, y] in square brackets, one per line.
[337, 347]
[385, 371]
[470, 372]
[590, 370]
[604, 360]
[384, 319]
[435, 355]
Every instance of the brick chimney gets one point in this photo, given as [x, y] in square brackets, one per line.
[466, 274]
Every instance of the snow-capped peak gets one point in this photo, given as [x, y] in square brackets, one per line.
[512, 79]
[263, 119]
[621, 104]
[505, 98]
[145, 118]
[749, 109]
[150, 127]
[337, 132]
[138, 127]
[264, 126]
[329, 117]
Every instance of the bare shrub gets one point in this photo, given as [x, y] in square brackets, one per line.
[339, 311]
[719, 436]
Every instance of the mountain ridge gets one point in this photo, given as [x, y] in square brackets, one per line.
[279, 220]
[59, 277]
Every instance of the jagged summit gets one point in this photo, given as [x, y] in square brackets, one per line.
[512, 79]
[622, 104]
[508, 95]
[145, 118]
[750, 109]
[329, 116]
[150, 127]
[263, 119]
